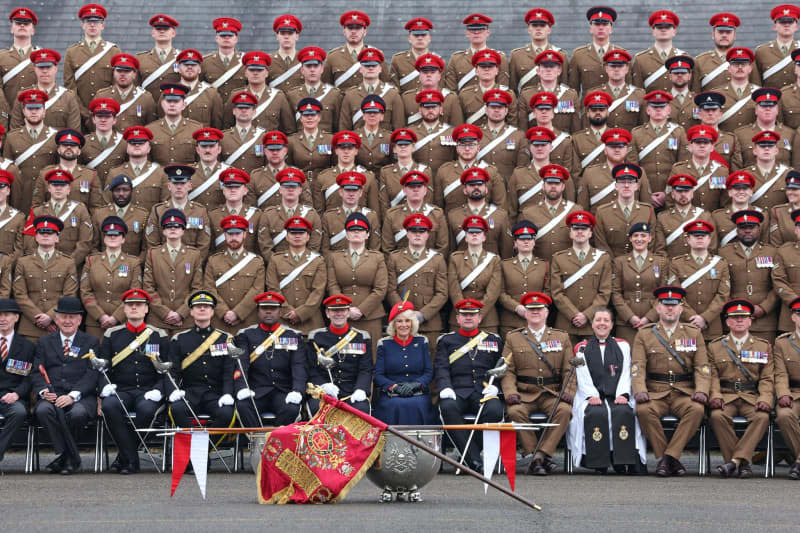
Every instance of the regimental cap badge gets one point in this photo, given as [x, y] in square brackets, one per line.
[178, 172]
[579, 216]
[256, 58]
[417, 220]
[663, 16]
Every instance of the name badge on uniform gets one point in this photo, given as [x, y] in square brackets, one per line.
[20, 368]
[551, 346]
[510, 144]
[122, 271]
[686, 345]
[489, 346]
[672, 143]
[355, 348]
[136, 226]
[286, 343]
[384, 149]
[632, 106]
[716, 182]
[84, 186]
[218, 350]
[324, 149]
[139, 111]
[259, 149]
[760, 358]
[764, 262]
[726, 148]
[188, 268]
[152, 349]
[73, 221]
[74, 351]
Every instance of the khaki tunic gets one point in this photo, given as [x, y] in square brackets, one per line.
[206, 108]
[498, 238]
[648, 62]
[658, 163]
[789, 106]
[438, 237]
[400, 66]
[339, 61]
[198, 230]
[213, 69]
[311, 160]
[460, 64]
[670, 221]
[781, 225]
[176, 147]
[139, 113]
[10, 58]
[524, 361]
[278, 67]
[333, 234]
[170, 284]
[147, 193]
[426, 288]
[7, 263]
[377, 155]
[8, 164]
[768, 54]
[522, 180]
[18, 141]
[611, 232]
[776, 194]
[632, 290]
[85, 188]
[237, 293]
[211, 197]
[523, 61]
[393, 118]
[365, 283]
[712, 193]
[262, 181]
[98, 76]
[252, 158]
[451, 108]
[450, 173]
[728, 147]
[685, 114]
[331, 102]
[92, 149]
[390, 190]
[136, 220]
[629, 113]
[275, 116]
[584, 143]
[726, 370]
[597, 177]
[517, 282]
[745, 115]
[707, 295]
[567, 113]
[13, 223]
[586, 68]
[485, 288]
[63, 112]
[149, 62]
[325, 190]
[75, 240]
[555, 239]
[751, 278]
[471, 100]
[275, 217]
[304, 294]
[102, 286]
[744, 136]
[786, 279]
[253, 242]
[726, 229]
[440, 149]
[508, 154]
[708, 61]
[37, 287]
[585, 295]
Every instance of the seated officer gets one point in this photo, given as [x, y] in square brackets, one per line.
[273, 366]
[350, 377]
[742, 384]
[787, 387]
[203, 366]
[461, 379]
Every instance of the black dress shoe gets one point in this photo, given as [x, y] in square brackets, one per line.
[601, 471]
[537, 468]
[125, 470]
[794, 471]
[619, 469]
[55, 466]
[639, 469]
[745, 471]
[116, 465]
[67, 470]
[727, 470]
[677, 467]
[550, 465]
[663, 468]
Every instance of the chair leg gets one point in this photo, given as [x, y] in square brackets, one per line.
[29, 450]
[701, 452]
[98, 442]
[770, 461]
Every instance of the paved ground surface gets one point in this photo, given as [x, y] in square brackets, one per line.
[109, 502]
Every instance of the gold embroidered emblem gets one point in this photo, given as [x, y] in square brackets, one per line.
[623, 433]
[597, 436]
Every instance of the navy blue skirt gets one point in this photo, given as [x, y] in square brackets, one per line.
[416, 410]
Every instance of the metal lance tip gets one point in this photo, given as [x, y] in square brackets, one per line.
[577, 361]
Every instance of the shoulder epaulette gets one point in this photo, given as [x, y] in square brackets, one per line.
[380, 341]
[245, 329]
[364, 333]
[313, 332]
[444, 335]
[181, 332]
[160, 331]
[782, 335]
[111, 330]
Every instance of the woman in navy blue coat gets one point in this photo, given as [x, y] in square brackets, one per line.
[403, 371]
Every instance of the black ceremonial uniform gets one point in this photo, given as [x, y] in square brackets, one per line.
[205, 379]
[352, 364]
[134, 376]
[275, 372]
[14, 378]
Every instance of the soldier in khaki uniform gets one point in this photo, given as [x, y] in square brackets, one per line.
[197, 226]
[710, 74]
[391, 190]
[461, 72]
[172, 141]
[340, 69]
[787, 388]
[742, 384]
[705, 278]
[627, 107]
[418, 274]
[301, 276]
[360, 274]
[23, 26]
[402, 69]
[580, 282]
[285, 73]
[430, 68]
[241, 143]
[156, 66]
[670, 374]
[41, 278]
[672, 220]
[310, 149]
[781, 223]
[659, 144]
[770, 175]
[333, 220]
[329, 98]
[85, 187]
[766, 110]
[203, 102]
[538, 367]
[740, 186]
[522, 65]
[12, 221]
[751, 265]
[263, 186]
[789, 104]
[206, 186]
[682, 106]
[770, 57]
[7, 165]
[234, 188]
[272, 228]
[709, 110]
[586, 66]
[473, 106]
[543, 106]
[235, 277]
[634, 277]
[709, 172]
[87, 66]
[352, 106]
[786, 276]
[587, 144]
[345, 147]
[436, 144]
[475, 273]
[104, 148]
[550, 68]
[135, 218]
[223, 68]
[172, 272]
[503, 146]
[375, 149]
[137, 106]
[521, 274]
[106, 276]
[63, 109]
[739, 108]
[148, 179]
[649, 71]
[414, 191]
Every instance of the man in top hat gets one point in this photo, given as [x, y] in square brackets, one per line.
[709, 111]
[781, 223]
[236, 276]
[171, 142]
[375, 150]
[275, 216]
[273, 366]
[708, 170]
[705, 278]
[587, 143]
[681, 211]
[769, 173]
[711, 69]
[581, 278]
[403, 71]
[486, 63]
[223, 68]
[87, 66]
[745, 388]
[23, 26]
[413, 194]
[461, 72]
[550, 69]
[352, 110]
[69, 384]
[241, 143]
[680, 77]
[157, 65]
[503, 145]
[739, 107]
[649, 70]
[131, 350]
[208, 169]
[85, 187]
[773, 59]
[345, 147]
[585, 67]
[328, 98]
[787, 383]
[626, 109]
[203, 102]
[767, 110]
[104, 148]
[203, 367]
[285, 72]
[523, 68]
[790, 98]
[300, 275]
[17, 354]
[350, 190]
[234, 188]
[435, 145]
[340, 67]
[350, 377]
[41, 278]
[670, 374]
[751, 264]
[741, 185]
[462, 359]
[147, 178]
[137, 106]
[196, 223]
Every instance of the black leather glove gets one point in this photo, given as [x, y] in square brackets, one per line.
[416, 387]
[401, 389]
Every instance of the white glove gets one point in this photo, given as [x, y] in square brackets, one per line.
[330, 389]
[358, 396]
[108, 390]
[245, 394]
[176, 395]
[225, 399]
[447, 393]
[294, 397]
[489, 390]
[153, 395]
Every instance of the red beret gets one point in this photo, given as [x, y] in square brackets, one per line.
[244, 97]
[474, 175]
[581, 218]
[255, 57]
[540, 135]
[702, 132]
[23, 14]
[290, 175]
[616, 136]
[473, 223]
[549, 56]
[234, 222]
[617, 55]
[207, 135]
[682, 181]
[351, 180]
[418, 220]
[58, 175]
[274, 138]
[403, 134]
[497, 96]
[766, 137]
[234, 175]
[467, 132]
[190, 55]
[104, 105]
[785, 11]
[740, 53]
[413, 177]
[740, 177]
[137, 132]
[45, 57]
[370, 55]
[477, 19]
[6, 176]
[297, 225]
[553, 171]
[419, 24]
[311, 53]
[429, 95]
[699, 226]
[658, 98]
[400, 307]
[543, 99]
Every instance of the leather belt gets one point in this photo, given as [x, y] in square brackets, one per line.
[670, 378]
[737, 386]
[539, 380]
[794, 383]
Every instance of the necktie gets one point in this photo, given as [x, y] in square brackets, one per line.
[639, 262]
[225, 62]
[120, 212]
[57, 208]
[103, 141]
[680, 98]
[699, 261]
[3, 348]
[312, 91]
[287, 61]
[235, 256]
[354, 55]
[290, 212]
[474, 259]
[66, 348]
[242, 133]
[112, 259]
[370, 89]
[137, 170]
[46, 258]
[657, 130]
[615, 91]
[747, 251]
[784, 50]
[553, 211]
[524, 264]
[297, 257]
[310, 142]
[739, 92]
[700, 170]
[581, 256]
[663, 55]
[162, 55]
[415, 255]
[173, 253]
[92, 46]
[21, 52]
[370, 138]
[600, 52]
[627, 212]
[33, 134]
[354, 258]
[172, 128]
